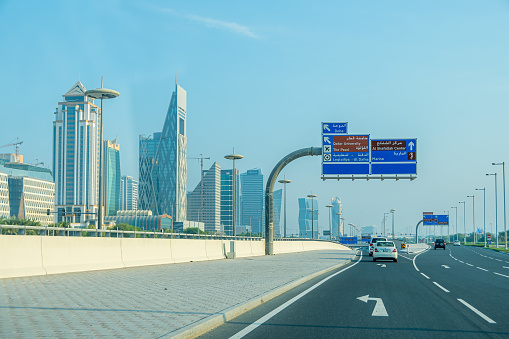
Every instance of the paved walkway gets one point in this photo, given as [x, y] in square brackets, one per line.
[147, 302]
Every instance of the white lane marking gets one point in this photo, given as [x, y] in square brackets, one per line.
[443, 288]
[507, 276]
[498, 259]
[269, 315]
[383, 265]
[468, 264]
[379, 310]
[425, 276]
[505, 267]
[461, 261]
[479, 313]
[445, 266]
[482, 269]
[415, 266]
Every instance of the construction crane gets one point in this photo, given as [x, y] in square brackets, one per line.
[17, 143]
[201, 158]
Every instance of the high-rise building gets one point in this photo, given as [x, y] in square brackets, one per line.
[163, 173]
[111, 177]
[5, 210]
[337, 208]
[252, 199]
[76, 142]
[276, 212]
[204, 203]
[128, 193]
[308, 207]
[30, 198]
[227, 200]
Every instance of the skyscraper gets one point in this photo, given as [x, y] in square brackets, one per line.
[276, 210]
[337, 207]
[252, 199]
[163, 173]
[128, 193]
[76, 143]
[111, 177]
[206, 206]
[227, 200]
[308, 207]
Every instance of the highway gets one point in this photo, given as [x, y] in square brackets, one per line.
[457, 293]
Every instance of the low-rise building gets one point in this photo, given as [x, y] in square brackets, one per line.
[30, 198]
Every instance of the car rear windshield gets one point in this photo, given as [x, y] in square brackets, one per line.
[385, 244]
[375, 240]
[439, 240]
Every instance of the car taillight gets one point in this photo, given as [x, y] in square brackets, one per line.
[376, 249]
[394, 250]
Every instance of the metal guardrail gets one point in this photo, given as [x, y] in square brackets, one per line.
[86, 232]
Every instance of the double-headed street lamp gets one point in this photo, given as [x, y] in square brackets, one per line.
[473, 213]
[496, 206]
[503, 183]
[456, 208]
[284, 182]
[101, 93]
[234, 157]
[484, 223]
[392, 211]
[312, 196]
[330, 221]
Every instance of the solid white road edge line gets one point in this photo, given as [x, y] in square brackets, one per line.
[415, 266]
[269, 315]
[443, 288]
[425, 276]
[479, 313]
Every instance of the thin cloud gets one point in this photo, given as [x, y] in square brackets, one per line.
[213, 23]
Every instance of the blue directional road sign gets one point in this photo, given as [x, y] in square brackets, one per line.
[435, 219]
[345, 154]
[334, 127]
[394, 156]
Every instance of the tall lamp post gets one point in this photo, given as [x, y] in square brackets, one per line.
[343, 224]
[392, 211]
[464, 224]
[312, 196]
[456, 208]
[484, 223]
[503, 183]
[330, 221]
[284, 182]
[101, 93]
[385, 214]
[234, 157]
[473, 213]
[496, 206]
[339, 225]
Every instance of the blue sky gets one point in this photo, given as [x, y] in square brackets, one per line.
[262, 75]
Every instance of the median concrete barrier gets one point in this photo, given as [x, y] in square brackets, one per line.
[215, 249]
[140, 252]
[20, 256]
[76, 254]
[186, 250]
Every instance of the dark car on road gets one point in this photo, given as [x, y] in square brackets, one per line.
[439, 243]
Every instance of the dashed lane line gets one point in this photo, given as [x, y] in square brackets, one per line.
[443, 288]
[479, 313]
[482, 269]
[502, 275]
[425, 276]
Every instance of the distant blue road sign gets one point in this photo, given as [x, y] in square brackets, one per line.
[435, 219]
[393, 156]
[334, 127]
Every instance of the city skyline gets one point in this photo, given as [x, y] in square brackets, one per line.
[264, 83]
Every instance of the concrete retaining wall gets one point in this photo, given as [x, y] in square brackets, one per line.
[22, 256]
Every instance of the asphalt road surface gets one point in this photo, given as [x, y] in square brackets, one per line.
[457, 293]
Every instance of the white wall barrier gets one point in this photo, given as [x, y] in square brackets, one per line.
[22, 255]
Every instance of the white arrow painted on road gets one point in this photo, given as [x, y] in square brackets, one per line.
[445, 266]
[411, 145]
[379, 310]
[381, 265]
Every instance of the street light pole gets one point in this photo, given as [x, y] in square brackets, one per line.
[392, 211]
[464, 224]
[284, 182]
[473, 212]
[101, 93]
[503, 183]
[385, 214]
[312, 196]
[456, 208]
[330, 221]
[234, 157]
[484, 223]
[338, 214]
[496, 206]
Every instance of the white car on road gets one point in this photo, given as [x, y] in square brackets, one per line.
[373, 242]
[385, 250]
[457, 243]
